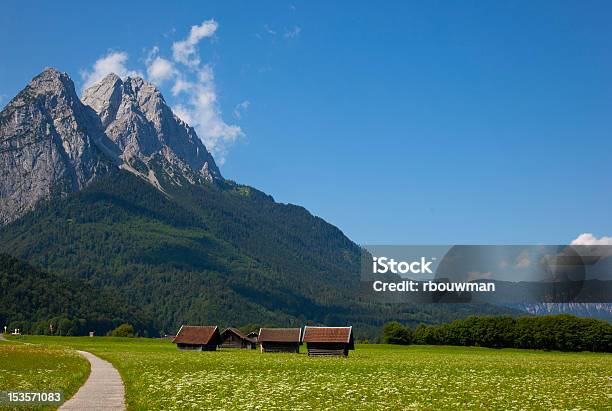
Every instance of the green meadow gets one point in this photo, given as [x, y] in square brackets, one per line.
[157, 376]
[41, 368]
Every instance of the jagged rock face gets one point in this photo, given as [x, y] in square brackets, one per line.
[138, 120]
[49, 143]
[52, 143]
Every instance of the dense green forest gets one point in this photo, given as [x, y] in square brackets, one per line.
[37, 302]
[221, 254]
[561, 332]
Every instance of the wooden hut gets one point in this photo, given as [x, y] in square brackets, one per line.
[234, 338]
[335, 341]
[253, 335]
[280, 339]
[198, 338]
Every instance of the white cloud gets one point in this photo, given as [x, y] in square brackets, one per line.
[240, 108]
[294, 32]
[185, 51]
[200, 109]
[183, 113]
[170, 32]
[151, 55]
[193, 87]
[180, 85]
[112, 62]
[269, 30]
[590, 239]
[160, 70]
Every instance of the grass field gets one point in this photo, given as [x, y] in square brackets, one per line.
[157, 376]
[41, 368]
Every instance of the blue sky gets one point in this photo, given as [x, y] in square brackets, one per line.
[408, 123]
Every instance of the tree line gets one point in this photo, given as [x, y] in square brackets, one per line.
[65, 327]
[561, 332]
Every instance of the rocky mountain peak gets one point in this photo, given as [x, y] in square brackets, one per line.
[54, 81]
[51, 88]
[104, 97]
[138, 120]
[52, 142]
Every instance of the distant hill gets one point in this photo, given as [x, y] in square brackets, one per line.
[603, 311]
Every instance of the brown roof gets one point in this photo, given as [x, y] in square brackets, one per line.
[196, 334]
[240, 334]
[235, 331]
[280, 335]
[327, 334]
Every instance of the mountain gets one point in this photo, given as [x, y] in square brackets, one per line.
[602, 311]
[151, 221]
[50, 143]
[149, 136]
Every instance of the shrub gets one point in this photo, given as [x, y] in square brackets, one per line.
[395, 333]
[124, 330]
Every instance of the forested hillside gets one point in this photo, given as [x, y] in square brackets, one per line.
[39, 302]
[212, 253]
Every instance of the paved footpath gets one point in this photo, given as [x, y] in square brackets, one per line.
[103, 390]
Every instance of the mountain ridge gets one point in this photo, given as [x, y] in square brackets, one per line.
[137, 119]
[51, 141]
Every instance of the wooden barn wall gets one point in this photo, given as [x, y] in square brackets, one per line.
[232, 341]
[336, 349]
[280, 347]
